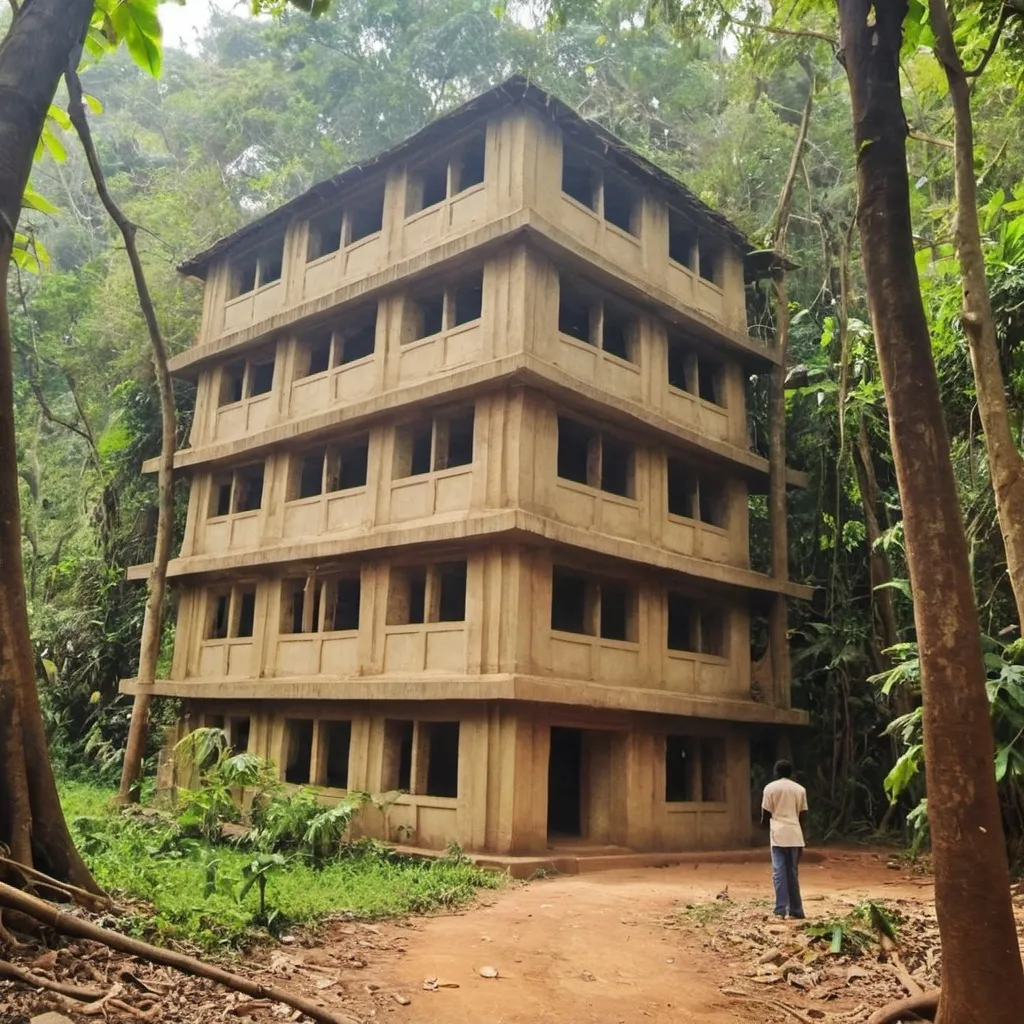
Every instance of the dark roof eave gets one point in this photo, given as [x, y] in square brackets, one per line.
[516, 89]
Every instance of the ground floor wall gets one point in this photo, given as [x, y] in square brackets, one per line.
[504, 777]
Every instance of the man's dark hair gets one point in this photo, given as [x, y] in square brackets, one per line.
[783, 769]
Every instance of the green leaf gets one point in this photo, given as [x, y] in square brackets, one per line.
[1002, 761]
[60, 116]
[94, 104]
[32, 200]
[137, 24]
[53, 145]
[837, 939]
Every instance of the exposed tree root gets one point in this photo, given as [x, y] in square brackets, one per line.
[66, 924]
[922, 1007]
[9, 970]
[84, 898]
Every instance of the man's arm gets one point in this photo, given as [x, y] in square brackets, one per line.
[766, 817]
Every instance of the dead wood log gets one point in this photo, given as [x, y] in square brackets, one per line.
[923, 1007]
[16, 973]
[66, 924]
[89, 900]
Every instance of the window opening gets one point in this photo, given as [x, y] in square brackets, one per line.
[709, 260]
[311, 474]
[617, 334]
[577, 179]
[347, 595]
[615, 612]
[244, 277]
[679, 767]
[317, 348]
[617, 467]
[397, 772]
[712, 633]
[337, 738]
[366, 217]
[434, 183]
[232, 380]
[709, 377]
[442, 748]
[569, 602]
[455, 442]
[407, 593]
[220, 618]
[348, 466]
[620, 205]
[471, 164]
[681, 240]
[713, 770]
[324, 235]
[249, 488]
[270, 264]
[573, 314]
[682, 490]
[221, 504]
[429, 316]
[451, 605]
[238, 735]
[681, 623]
[712, 502]
[359, 340]
[468, 301]
[680, 365]
[246, 612]
[576, 442]
[565, 788]
[298, 750]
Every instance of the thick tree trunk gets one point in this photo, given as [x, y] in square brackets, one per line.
[33, 56]
[982, 978]
[1006, 466]
[152, 623]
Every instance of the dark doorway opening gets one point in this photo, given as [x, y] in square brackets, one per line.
[564, 791]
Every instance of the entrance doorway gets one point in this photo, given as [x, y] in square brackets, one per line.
[564, 782]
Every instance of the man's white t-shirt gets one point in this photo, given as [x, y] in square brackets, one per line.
[784, 799]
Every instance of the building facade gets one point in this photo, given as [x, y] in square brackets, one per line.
[469, 493]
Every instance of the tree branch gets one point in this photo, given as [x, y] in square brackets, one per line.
[932, 140]
[1004, 17]
[778, 30]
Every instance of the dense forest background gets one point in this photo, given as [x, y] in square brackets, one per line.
[259, 110]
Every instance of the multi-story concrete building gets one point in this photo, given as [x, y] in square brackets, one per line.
[469, 492]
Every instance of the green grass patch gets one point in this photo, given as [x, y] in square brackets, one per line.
[192, 887]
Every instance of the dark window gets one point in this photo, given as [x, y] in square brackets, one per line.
[451, 605]
[244, 277]
[435, 184]
[324, 235]
[682, 490]
[575, 443]
[712, 502]
[246, 612]
[710, 261]
[679, 767]
[407, 596]
[469, 300]
[712, 770]
[249, 488]
[296, 605]
[471, 166]
[232, 379]
[617, 334]
[577, 179]
[298, 750]
[712, 632]
[261, 378]
[679, 365]
[620, 204]
[221, 496]
[337, 737]
[359, 340]
[311, 474]
[459, 449]
[270, 264]
[568, 602]
[397, 756]
[617, 467]
[430, 316]
[615, 612]
[220, 617]
[350, 466]
[366, 218]
[420, 462]
[346, 604]
[573, 314]
[681, 620]
[316, 352]
[709, 376]
[442, 758]
[681, 240]
[238, 733]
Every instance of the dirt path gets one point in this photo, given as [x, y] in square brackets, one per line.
[588, 949]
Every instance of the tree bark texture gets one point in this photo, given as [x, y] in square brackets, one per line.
[982, 978]
[1006, 467]
[152, 623]
[33, 56]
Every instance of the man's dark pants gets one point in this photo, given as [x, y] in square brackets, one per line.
[785, 877]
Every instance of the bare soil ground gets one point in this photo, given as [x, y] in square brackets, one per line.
[688, 943]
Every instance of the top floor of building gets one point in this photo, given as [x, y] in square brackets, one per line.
[513, 161]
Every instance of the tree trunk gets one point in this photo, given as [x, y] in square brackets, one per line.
[982, 978]
[152, 623]
[1006, 466]
[33, 56]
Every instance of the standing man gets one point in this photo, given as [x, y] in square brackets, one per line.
[784, 808]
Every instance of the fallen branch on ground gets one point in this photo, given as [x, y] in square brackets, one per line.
[925, 1007]
[66, 924]
[9, 970]
[89, 900]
